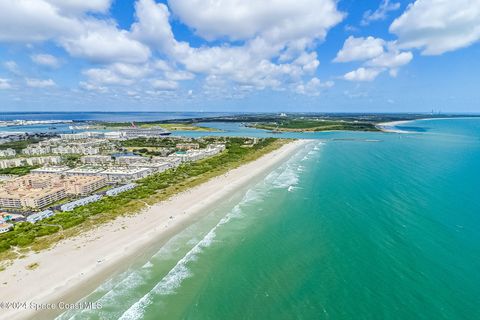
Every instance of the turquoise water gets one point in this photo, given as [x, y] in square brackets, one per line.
[345, 229]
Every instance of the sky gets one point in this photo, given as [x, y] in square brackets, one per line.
[240, 55]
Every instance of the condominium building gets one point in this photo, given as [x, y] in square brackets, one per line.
[76, 150]
[40, 190]
[36, 150]
[83, 185]
[96, 159]
[35, 217]
[52, 170]
[126, 160]
[7, 153]
[84, 171]
[81, 135]
[187, 146]
[119, 174]
[18, 162]
[23, 197]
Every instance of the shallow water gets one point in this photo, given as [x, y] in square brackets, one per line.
[355, 226]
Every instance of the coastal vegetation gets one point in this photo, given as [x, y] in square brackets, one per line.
[181, 126]
[19, 145]
[20, 171]
[149, 190]
[300, 124]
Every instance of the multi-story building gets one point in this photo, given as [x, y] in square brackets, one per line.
[36, 150]
[119, 174]
[126, 160]
[39, 190]
[187, 146]
[34, 161]
[35, 217]
[51, 170]
[7, 153]
[96, 159]
[34, 198]
[81, 135]
[83, 185]
[84, 171]
[76, 150]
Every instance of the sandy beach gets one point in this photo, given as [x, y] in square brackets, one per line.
[79, 264]
[390, 126]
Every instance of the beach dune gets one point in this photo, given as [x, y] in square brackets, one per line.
[76, 265]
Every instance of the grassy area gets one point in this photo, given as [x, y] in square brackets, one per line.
[21, 171]
[150, 190]
[167, 126]
[294, 125]
[18, 145]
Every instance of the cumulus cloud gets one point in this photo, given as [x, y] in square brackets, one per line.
[40, 83]
[273, 20]
[381, 13]
[275, 48]
[362, 74]
[355, 49]
[102, 41]
[378, 56]
[438, 26]
[46, 60]
[313, 87]
[164, 84]
[5, 84]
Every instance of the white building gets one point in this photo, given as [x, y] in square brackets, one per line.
[125, 174]
[35, 217]
[81, 202]
[96, 159]
[34, 161]
[5, 227]
[84, 171]
[81, 135]
[126, 160]
[76, 150]
[53, 170]
[7, 153]
[115, 191]
[36, 150]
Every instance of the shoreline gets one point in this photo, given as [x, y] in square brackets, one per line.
[76, 266]
[389, 127]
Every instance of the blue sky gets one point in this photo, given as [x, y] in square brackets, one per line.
[232, 55]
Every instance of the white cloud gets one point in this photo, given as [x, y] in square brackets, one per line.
[438, 26]
[278, 39]
[164, 84]
[46, 60]
[381, 13]
[362, 74]
[80, 6]
[40, 83]
[313, 87]
[26, 20]
[274, 20]
[5, 84]
[11, 66]
[377, 54]
[103, 42]
[355, 49]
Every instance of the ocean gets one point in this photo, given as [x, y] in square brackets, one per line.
[353, 226]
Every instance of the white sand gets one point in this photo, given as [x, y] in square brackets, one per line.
[82, 262]
[390, 126]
